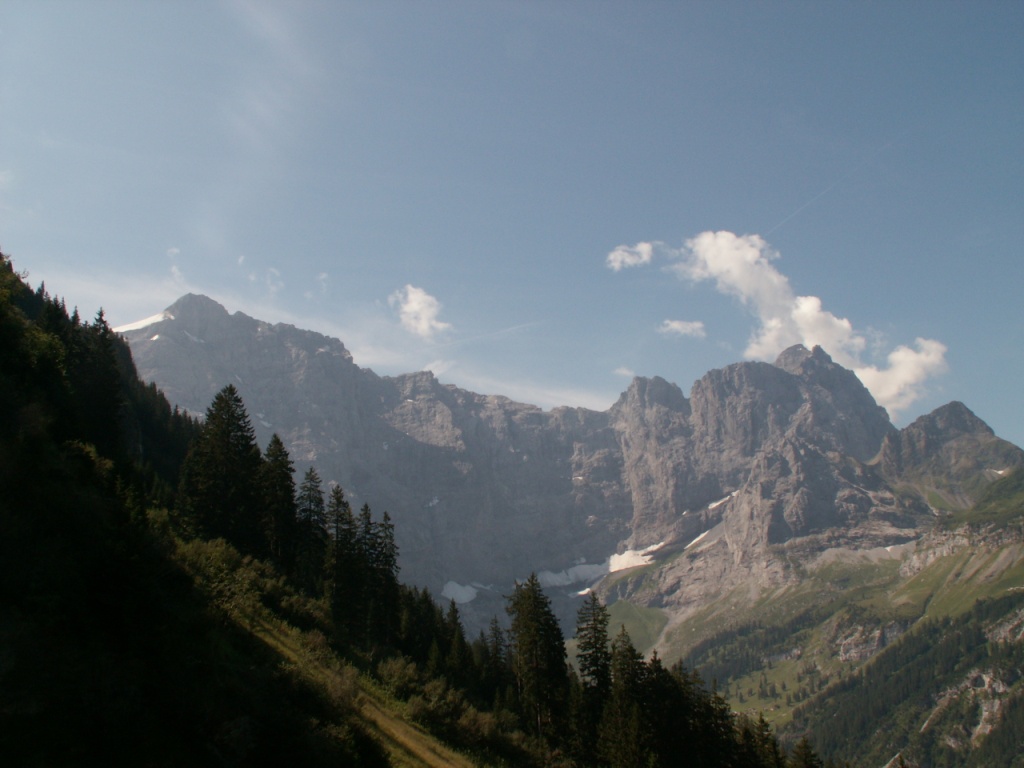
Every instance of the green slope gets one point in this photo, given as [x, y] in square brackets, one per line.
[801, 654]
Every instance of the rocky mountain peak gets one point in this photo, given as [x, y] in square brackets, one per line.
[484, 490]
[794, 358]
[949, 421]
[644, 393]
[194, 306]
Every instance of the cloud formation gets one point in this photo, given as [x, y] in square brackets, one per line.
[418, 311]
[743, 266]
[694, 328]
[630, 256]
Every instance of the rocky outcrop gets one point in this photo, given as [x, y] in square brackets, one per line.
[761, 465]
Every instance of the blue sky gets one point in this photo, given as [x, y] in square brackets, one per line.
[540, 199]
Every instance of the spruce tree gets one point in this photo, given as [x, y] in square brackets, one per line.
[593, 658]
[458, 663]
[311, 545]
[804, 756]
[347, 567]
[277, 484]
[622, 739]
[218, 495]
[538, 658]
[376, 540]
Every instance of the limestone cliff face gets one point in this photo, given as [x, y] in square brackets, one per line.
[763, 464]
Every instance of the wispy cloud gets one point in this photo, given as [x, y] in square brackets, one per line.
[418, 311]
[272, 280]
[622, 370]
[743, 266]
[694, 328]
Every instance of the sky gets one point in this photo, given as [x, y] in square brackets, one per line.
[540, 200]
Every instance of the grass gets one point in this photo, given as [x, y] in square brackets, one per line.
[643, 624]
[832, 602]
[407, 745]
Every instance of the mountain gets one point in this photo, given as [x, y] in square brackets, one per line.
[761, 466]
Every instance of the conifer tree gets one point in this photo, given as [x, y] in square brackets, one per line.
[277, 483]
[458, 663]
[804, 756]
[593, 657]
[347, 566]
[218, 489]
[668, 710]
[622, 734]
[538, 658]
[311, 545]
[376, 540]
[497, 675]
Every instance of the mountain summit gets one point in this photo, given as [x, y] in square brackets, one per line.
[761, 467]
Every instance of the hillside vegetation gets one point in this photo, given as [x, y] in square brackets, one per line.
[171, 596]
[915, 651]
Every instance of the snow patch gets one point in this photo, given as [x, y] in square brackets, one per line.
[720, 502]
[140, 324]
[194, 338]
[459, 593]
[155, 337]
[631, 558]
[583, 572]
[698, 538]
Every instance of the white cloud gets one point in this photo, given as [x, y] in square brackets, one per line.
[172, 252]
[629, 373]
[694, 328]
[743, 266]
[902, 382]
[630, 256]
[418, 311]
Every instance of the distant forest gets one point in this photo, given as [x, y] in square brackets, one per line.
[171, 594]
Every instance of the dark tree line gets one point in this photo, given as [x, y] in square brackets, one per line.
[230, 490]
[110, 654]
[619, 710]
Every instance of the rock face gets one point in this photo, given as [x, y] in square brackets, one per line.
[760, 465]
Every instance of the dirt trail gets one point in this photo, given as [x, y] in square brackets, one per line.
[408, 745]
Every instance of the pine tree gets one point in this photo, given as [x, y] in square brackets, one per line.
[218, 490]
[376, 540]
[622, 734]
[538, 658]
[347, 567]
[804, 756]
[593, 657]
[497, 674]
[458, 663]
[277, 484]
[311, 544]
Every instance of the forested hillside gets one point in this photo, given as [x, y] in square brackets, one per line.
[169, 595]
